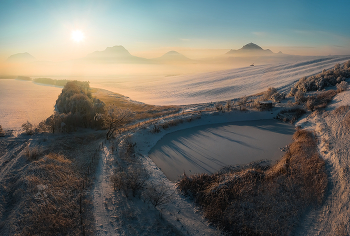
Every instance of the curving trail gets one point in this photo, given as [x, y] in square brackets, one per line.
[103, 190]
[333, 217]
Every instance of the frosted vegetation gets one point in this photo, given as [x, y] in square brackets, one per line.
[327, 78]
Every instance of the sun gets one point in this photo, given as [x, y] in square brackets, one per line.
[77, 36]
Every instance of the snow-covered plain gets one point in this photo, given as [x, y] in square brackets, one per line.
[22, 101]
[214, 86]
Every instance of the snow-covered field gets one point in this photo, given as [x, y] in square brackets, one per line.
[22, 101]
[214, 86]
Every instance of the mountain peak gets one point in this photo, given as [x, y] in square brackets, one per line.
[251, 46]
[118, 49]
[172, 53]
[21, 57]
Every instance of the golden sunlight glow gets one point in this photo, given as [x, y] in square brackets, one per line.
[77, 36]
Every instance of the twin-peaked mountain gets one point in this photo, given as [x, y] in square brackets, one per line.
[116, 54]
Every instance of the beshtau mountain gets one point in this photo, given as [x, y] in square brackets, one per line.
[115, 54]
[250, 49]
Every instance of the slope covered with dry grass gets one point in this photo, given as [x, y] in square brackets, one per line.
[260, 200]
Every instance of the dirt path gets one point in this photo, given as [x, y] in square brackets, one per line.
[10, 157]
[102, 190]
[333, 217]
[118, 214]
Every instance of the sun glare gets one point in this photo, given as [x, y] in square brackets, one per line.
[77, 36]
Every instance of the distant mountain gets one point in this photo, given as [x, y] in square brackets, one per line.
[21, 57]
[116, 54]
[172, 56]
[250, 49]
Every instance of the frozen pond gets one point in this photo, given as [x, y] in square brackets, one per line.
[24, 100]
[206, 149]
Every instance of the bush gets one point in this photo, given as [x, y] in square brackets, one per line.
[269, 92]
[133, 179]
[342, 86]
[299, 97]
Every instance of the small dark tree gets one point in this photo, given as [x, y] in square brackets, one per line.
[115, 118]
[2, 132]
[28, 128]
[52, 122]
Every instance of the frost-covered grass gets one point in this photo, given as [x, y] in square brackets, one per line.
[326, 78]
[256, 201]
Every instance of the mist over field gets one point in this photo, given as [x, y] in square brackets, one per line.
[174, 117]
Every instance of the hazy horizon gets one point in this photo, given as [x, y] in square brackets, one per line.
[149, 29]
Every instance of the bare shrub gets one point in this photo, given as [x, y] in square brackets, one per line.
[342, 86]
[299, 97]
[28, 128]
[132, 179]
[218, 107]
[269, 92]
[158, 195]
[254, 201]
[33, 153]
[155, 129]
[242, 102]
[278, 97]
[115, 118]
[310, 103]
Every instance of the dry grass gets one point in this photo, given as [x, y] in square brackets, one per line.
[321, 100]
[255, 201]
[341, 110]
[33, 153]
[47, 194]
[141, 110]
[43, 196]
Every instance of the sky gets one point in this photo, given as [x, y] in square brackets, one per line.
[153, 27]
